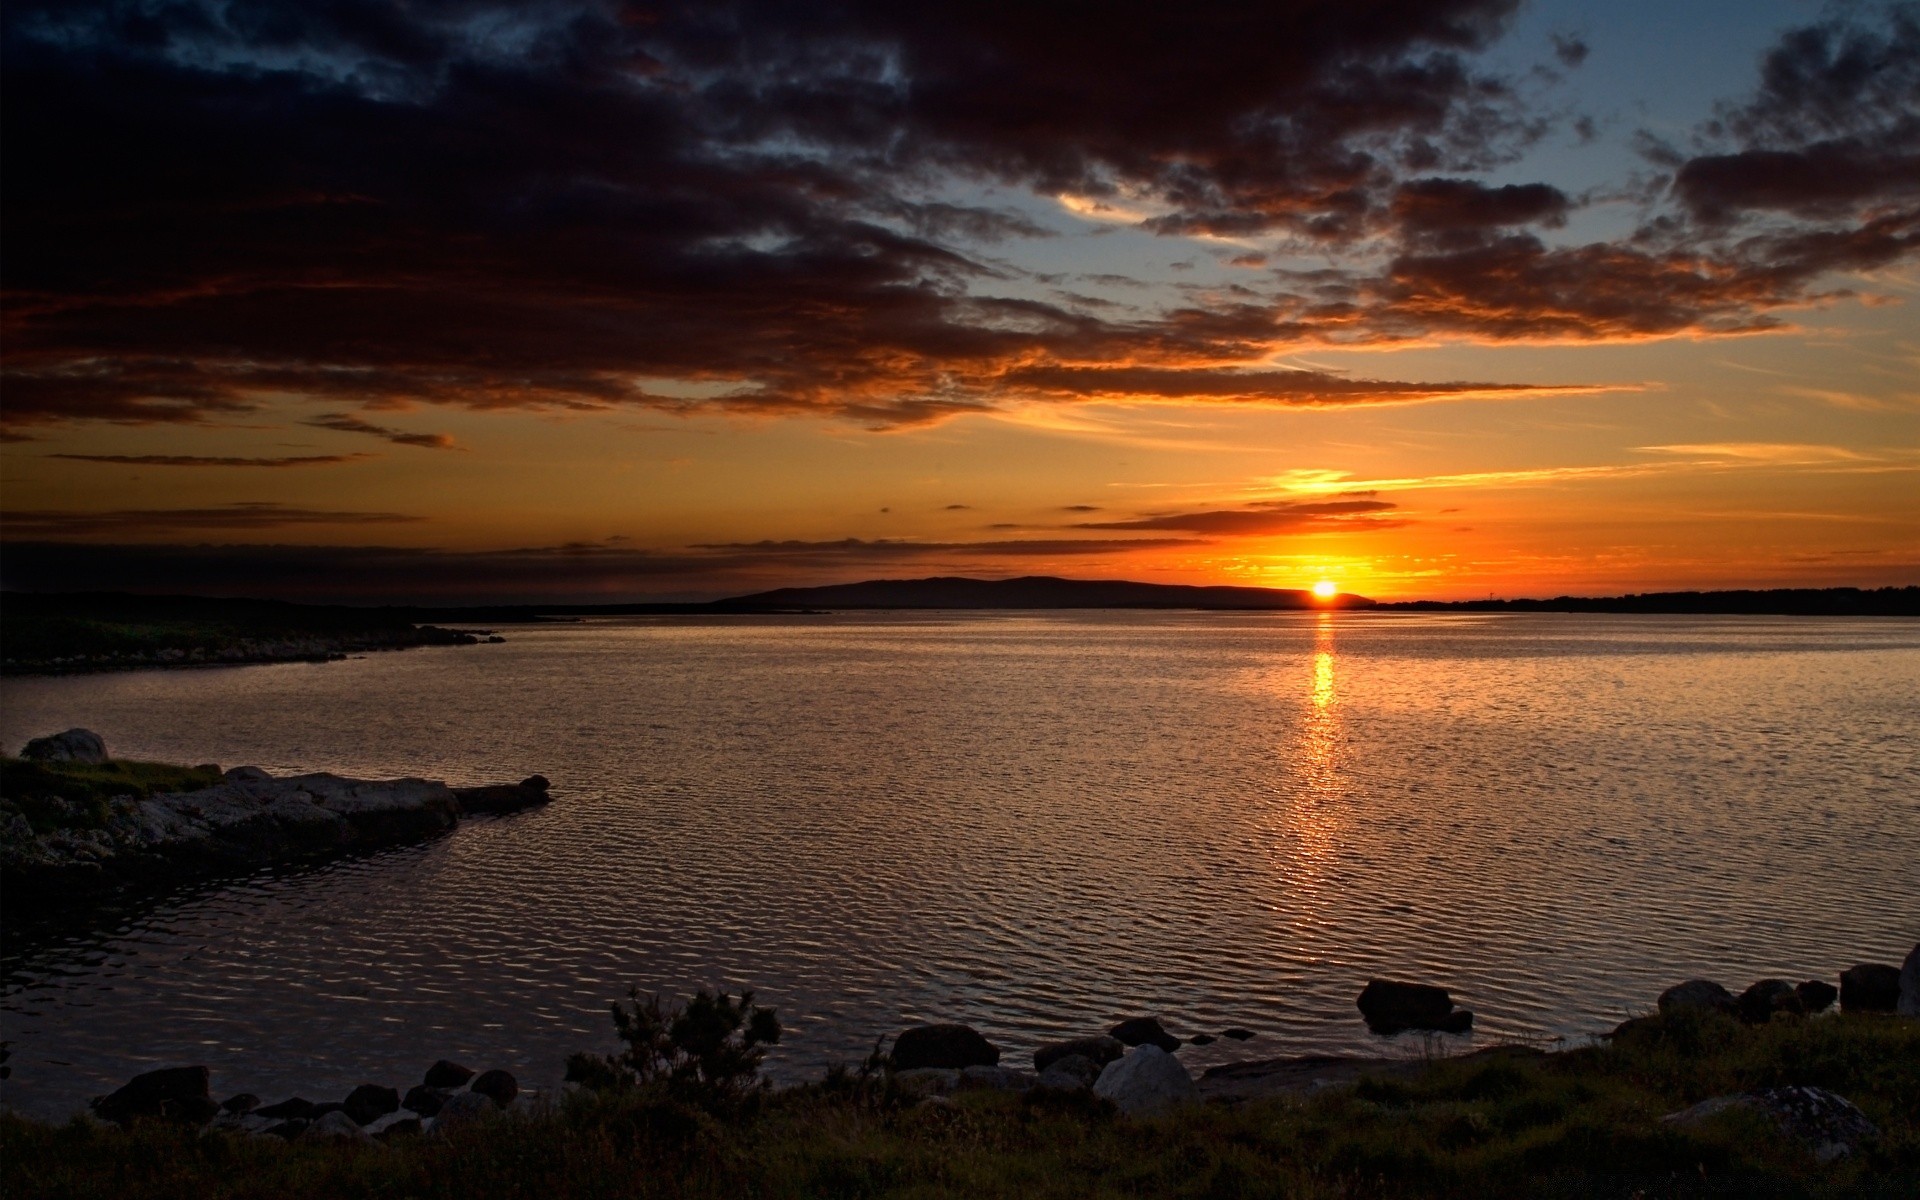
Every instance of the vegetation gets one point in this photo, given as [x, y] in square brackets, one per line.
[1506, 1123]
[706, 1053]
[75, 795]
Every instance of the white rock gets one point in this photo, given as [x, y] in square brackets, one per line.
[335, 1127]
[1148, 1080]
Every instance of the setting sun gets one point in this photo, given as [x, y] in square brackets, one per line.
[1326, 589]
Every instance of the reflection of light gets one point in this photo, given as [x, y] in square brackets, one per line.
[1322, 679]
[1326, 589]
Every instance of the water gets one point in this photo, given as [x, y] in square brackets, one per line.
[1033, 823]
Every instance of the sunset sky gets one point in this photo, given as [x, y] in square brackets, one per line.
[605, 301]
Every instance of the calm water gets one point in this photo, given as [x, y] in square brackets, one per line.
[1034, 823]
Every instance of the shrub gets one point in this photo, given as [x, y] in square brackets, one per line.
[706, 1052]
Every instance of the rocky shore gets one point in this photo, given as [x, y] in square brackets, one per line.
[69, 830]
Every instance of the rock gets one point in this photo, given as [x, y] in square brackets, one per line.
[1909, 1003]
[288, 1129]
[75, 745]
[404, 1127]
[425, 1100]
[1870, 987]
[497, 1086]
[998, 1079]
[444, 1074]
[172, 1093]
[1697, 994]
[463, 1109]
[1148, 1080]
[369, 1102]
[1144, 1031]
[247, 775]
[1768, 996]
[1074, 1073]
[240, 1105]
[1635, 1028]
[335, 1127]
[1828, 1125]
[944, 1046]
[530, 792]
[295, 1109]
[1201, 1039]
[1816, 995]
[1390, 1007]
[927, 1081]
[1238, 1034]
[1100, 1050]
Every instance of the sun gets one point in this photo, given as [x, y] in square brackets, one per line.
[1326, 589]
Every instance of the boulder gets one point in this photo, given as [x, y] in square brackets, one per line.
[246, 775]
[75, 745]
[335, 1127]
[1100, 1050]
[172, 1093]
[943, 1046]
[1763, 999]
[1870, 987]
[1144, 1031]
[404, 1127]
[287, 1130]
[444, 1074]
[1828, 1125]
[1909, 1003]
[1074, 1073]
[241, 1105]
[1702, 995]
[1390, 1007]
[463, 1109]
[295, 1109]
[369, 1102]
[1147, 1081]
[425, 1100]
[497, 1086]
[1816, 995]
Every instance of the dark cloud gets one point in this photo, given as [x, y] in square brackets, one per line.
[1570, 49]
[1081, 508]
[1442, 207]
[1284, 388]
[1265, 518]
[348, 423]
[958, 507]
[201, 460]
[892, 548]
[78, 523]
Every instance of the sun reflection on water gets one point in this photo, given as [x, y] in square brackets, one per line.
[1312, 824]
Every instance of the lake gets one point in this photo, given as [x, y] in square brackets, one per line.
[1035, 823]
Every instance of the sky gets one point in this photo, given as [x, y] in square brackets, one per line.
[597, 301]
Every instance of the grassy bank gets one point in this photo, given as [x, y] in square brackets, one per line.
[1581, 1123]
[77, 796]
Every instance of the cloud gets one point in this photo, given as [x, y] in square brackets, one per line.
[201, 460]
[1266, 517]
[348, 423]
[1286, 388]
[1570, 49]
[79, 523]
[891, 548]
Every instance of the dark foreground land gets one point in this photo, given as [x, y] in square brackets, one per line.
[1512, 1122]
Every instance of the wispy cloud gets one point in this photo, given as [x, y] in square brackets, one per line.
[348, 423]
[228, 517]
[203, 460]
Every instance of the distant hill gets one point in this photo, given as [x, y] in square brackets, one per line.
[1808, 602]
[1031, 591]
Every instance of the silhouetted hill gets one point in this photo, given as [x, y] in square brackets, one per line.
[1828, 602]
[1032, 591]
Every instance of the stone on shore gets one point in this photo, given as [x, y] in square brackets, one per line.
[171, 1093]
[1147, 1081]
[240, 1105]
[943, 1046]
[336, 1127]
[295, 1109]
[1144, 1031]
[496, 1085]
[998, 1079]
[1816, 995]
[75, 745]
[464, 1109]
[1763, 999]
[445, 1074]
[369, 1102]
[1099, 1050]
[1909, 1004]
[1830, 1126]
[1074, 1073]
[1390, 1007]
[427, 1101]
[927, 1081]
[1702, 995]
[1870, 987]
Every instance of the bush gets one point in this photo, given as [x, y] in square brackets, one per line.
[706, 1052]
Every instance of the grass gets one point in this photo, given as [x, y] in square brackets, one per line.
[1582, 1123]
[71, 795]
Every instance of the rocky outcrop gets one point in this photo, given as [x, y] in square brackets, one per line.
[247, 820]
[75, 745]
[171, 1093]
[1758, 1004]
[1144, 1031]
[1870, 987]
[1390, 1007]
[445, 1074]
[497, 1086]
[1816, 995]
[369, 1102]
[1829, 1126]
[946, 1047]
[1697, 994]
[1147, 1081]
